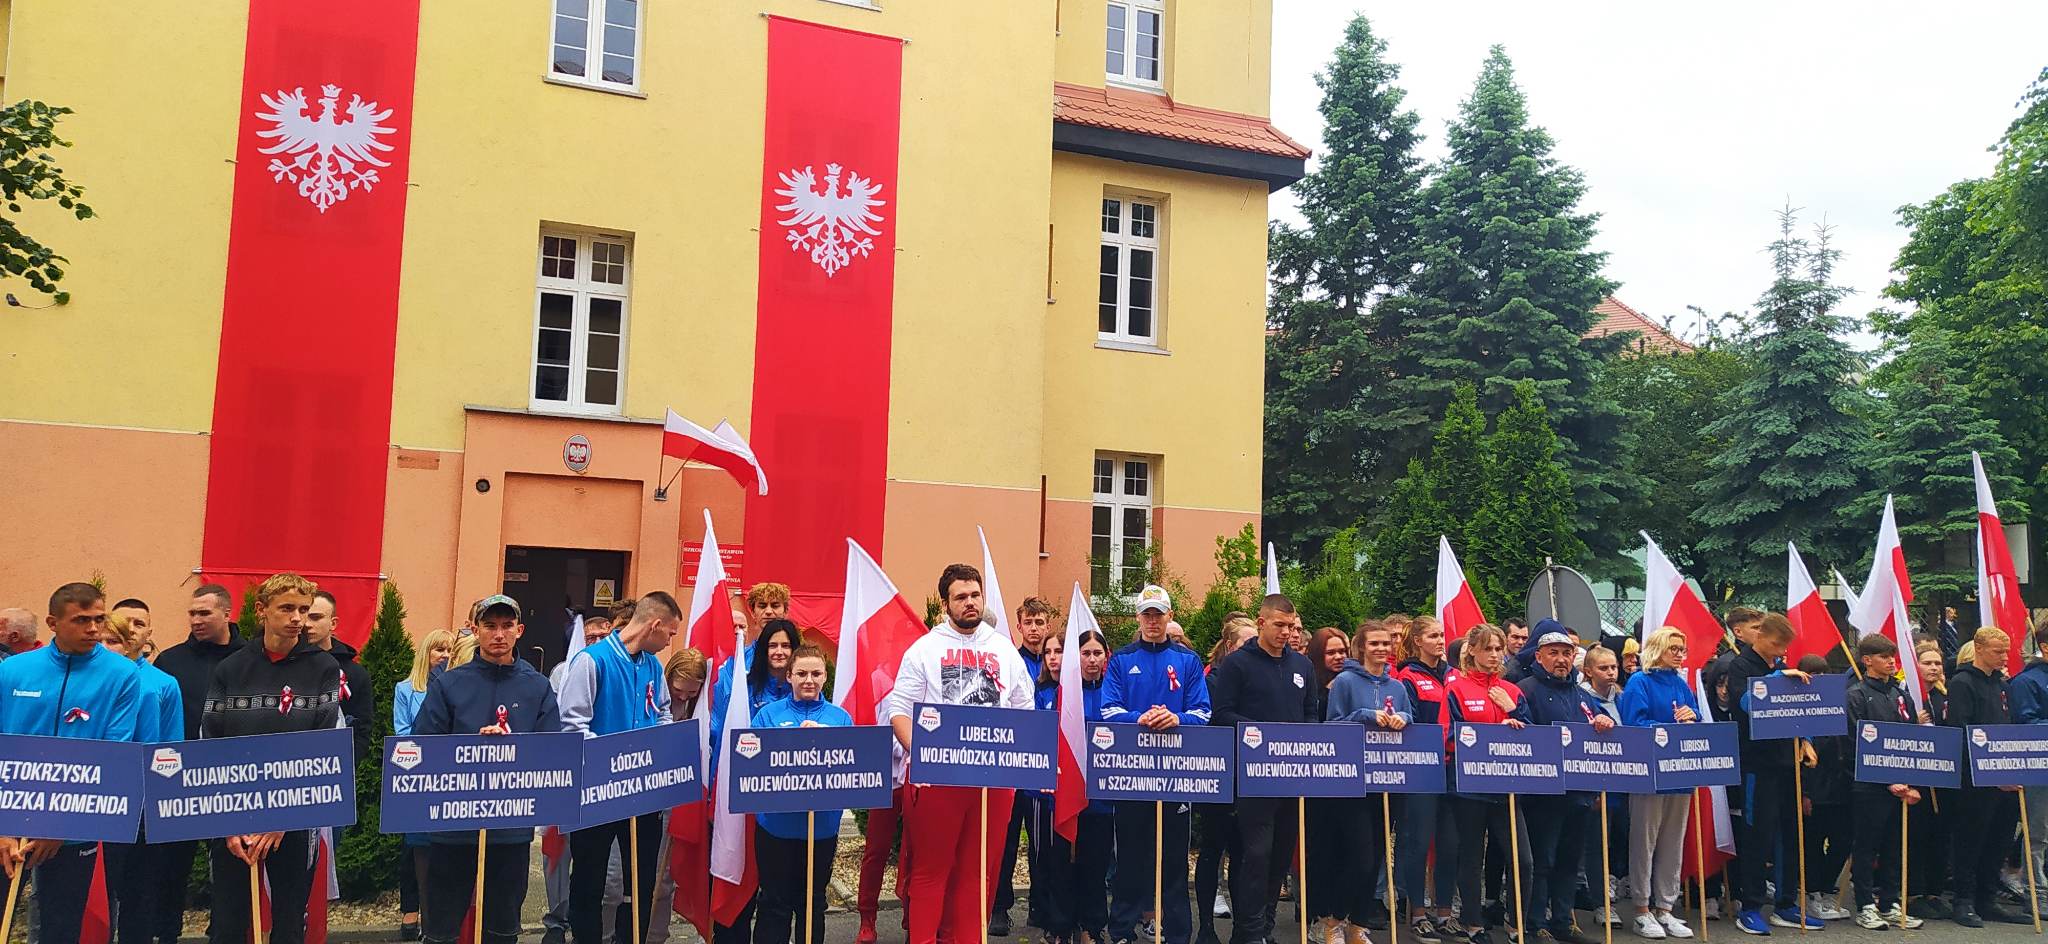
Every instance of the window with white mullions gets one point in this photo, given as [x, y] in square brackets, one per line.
[1127, 301]
[1121, 526]
[580, 323]
[597, 42]
[1135, 42]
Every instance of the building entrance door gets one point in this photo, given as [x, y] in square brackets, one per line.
[553, 583]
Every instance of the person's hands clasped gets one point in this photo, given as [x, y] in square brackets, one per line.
[1159, 719]
[253, 847]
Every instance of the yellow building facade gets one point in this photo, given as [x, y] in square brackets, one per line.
[1081, 231]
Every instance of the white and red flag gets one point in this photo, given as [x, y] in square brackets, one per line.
[1998, 583]
[1887, 592]
[1813, 630]
[1456, 607]
[876, 626]
[1272, 571]
[993, 611]
[732, 834]
[1849, 594]
[1670, 601]
[723, 447]
[1070, 795]
[712, 632]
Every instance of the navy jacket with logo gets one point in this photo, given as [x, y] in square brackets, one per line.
[466, 699]
[1144, 674]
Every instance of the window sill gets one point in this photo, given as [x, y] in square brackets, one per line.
[1136, 85]
[553, 79]
[554, 413]
[1105, 344]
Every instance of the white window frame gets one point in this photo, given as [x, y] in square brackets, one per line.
[1128, 52]
[593, 46]
[1126, 243]
[1119, 500]
[582, 288]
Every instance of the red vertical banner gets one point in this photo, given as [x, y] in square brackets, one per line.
[309, 322]
[829, 205]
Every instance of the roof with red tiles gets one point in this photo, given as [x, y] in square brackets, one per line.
[1157, 115]
[1616, 316]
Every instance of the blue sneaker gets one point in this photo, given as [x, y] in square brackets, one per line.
[1789, 918]
[1751, 921]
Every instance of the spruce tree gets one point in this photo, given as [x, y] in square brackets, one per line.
[1922, 458]
[1333, 393]
[1400, 563]
[1794, 432]
[1525, 514]
[364, 867]
[1506, 289]
[1457, 465]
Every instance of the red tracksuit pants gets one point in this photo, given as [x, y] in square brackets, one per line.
[945, 893]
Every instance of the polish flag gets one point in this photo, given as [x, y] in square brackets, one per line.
[711, 626]
[876, 626]
[1813, 630]
[992, 609]
[1886, 593]
[723, 447]
[1849, 594]
[1070, 796]
[1669, 601]
[1456, 608]
[1998, 583]
[1710, 812]
[1272, 571]
[732, 834]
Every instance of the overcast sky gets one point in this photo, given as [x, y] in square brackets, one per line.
[1692, 130]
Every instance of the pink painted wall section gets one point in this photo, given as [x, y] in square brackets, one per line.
[422, 516]
[931, 525]
[129, 504]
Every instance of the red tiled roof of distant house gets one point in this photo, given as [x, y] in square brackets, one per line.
[1616, 317]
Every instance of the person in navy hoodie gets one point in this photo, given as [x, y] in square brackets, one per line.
[613, 685]
[779, 838]
[496, 693]
[1556, 823]
[1159, 685]
[1075, 875]
[72, 688]
[1365, 692]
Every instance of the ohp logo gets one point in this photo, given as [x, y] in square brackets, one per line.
[1869, 733]
[928, 718]
[1252, 737]
[1103, 738]
[747, 745]
[1663, 738]
[166, 762]
[1467, 736]
[405, 755]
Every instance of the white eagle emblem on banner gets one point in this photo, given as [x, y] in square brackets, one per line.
[832, 226]
[327, 157]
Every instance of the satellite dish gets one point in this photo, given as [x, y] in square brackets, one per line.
[1562, 594]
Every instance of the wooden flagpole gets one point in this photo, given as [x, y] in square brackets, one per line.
[632, 894]
[1799, 809]
[2027, 851]
[1606, 869]
[1515, 857]
[256, 904]
[13, 893]
[1301, 853]
[478, 904]
[1699, 853]
[1158, 869]
[981, 867]
[1905, 824]
[1387, 827]
[810, 872]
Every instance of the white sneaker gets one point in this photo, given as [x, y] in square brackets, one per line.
[1672, 925]
[1610, 917]
[1895, 916]
[1222, 907]
[1868, 919]
[1648, 926]
[1825, 907]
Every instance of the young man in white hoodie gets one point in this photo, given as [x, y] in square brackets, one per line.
[962, 661]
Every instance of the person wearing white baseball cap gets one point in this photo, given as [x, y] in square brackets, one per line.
[1157, 684]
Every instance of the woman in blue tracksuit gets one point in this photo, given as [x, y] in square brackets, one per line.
[1075, 874]
[767, 671]
[1364, 692]
[779, 838]
[1658, 695]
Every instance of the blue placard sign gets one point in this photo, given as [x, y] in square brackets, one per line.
[1496, 758]
[72, 789]
[1190, 763]
[466, 782]
[1616, 760]
[1410, 760]
[1696, 755]
[640, 771]
[1923, 755]
[262, 783]
[1300, 760]
[797, 770]
[1781, 706]
[2008, 755]
[966, 746]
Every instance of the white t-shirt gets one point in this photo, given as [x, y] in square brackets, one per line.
[944, 667]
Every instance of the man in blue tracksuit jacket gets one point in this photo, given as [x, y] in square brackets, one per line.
[779, 838]
[72, 688]
[1556, 824]
[613, 685]
[1156, 683]
[496, 693]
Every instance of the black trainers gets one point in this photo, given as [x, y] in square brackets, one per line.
[1423, 930]
[1478, 936]
[1570, 934]
[1965, 914]
[1995, 912]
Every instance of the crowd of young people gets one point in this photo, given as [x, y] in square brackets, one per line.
[1457, 857]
